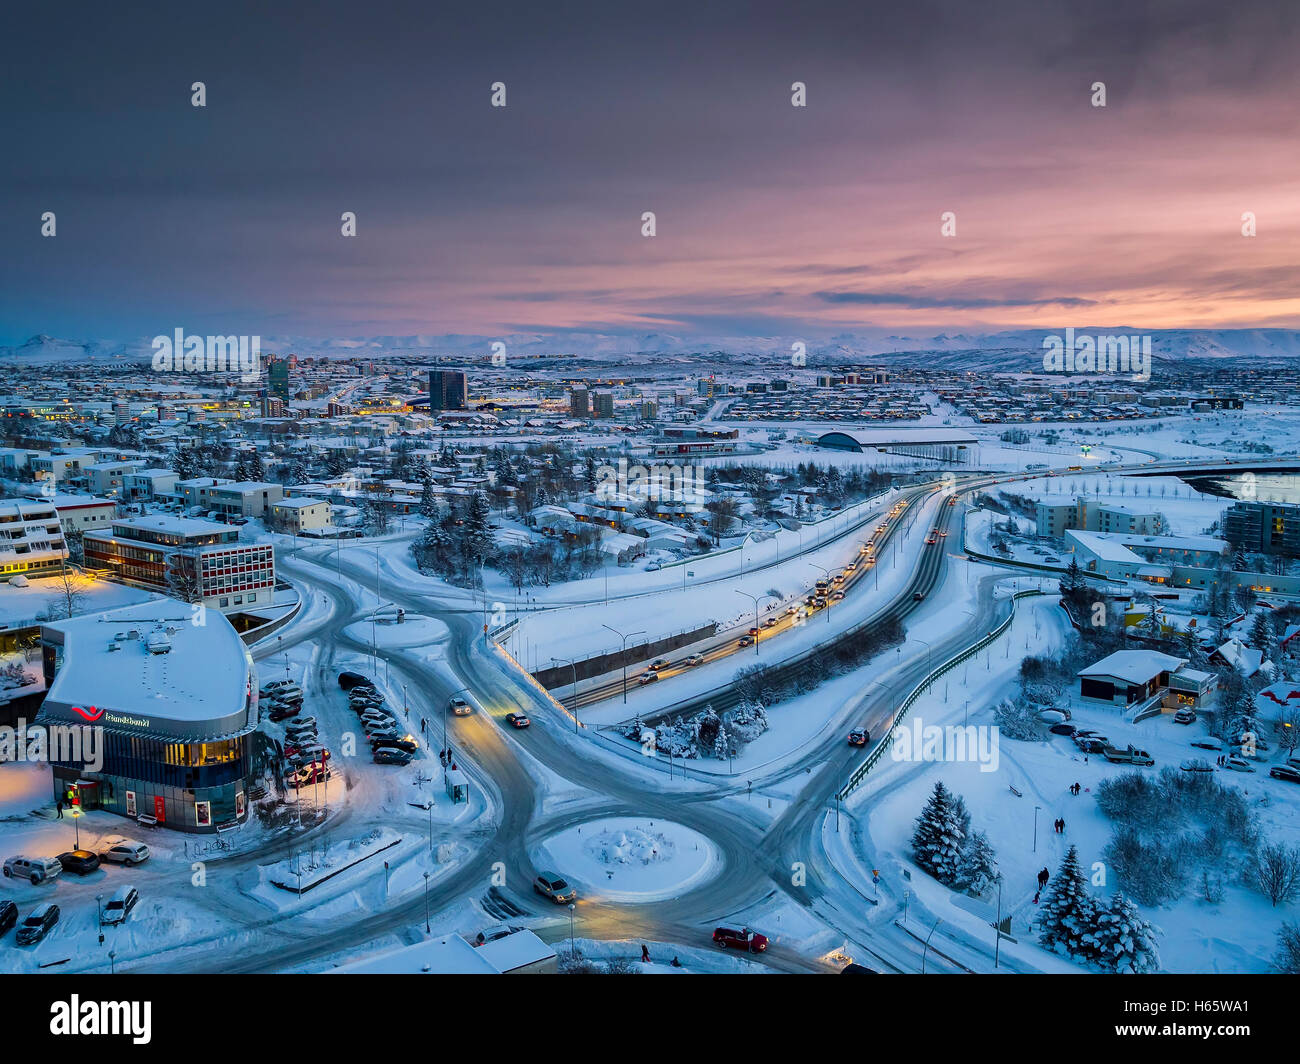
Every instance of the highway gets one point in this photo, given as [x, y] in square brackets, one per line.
[757, 852]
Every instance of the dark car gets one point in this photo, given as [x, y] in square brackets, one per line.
[38, 924]
[918, 596]
[1063, 729]
[405, 744]
[517, 720]
[280, 712]
[859, 738]
[747, 641]
[1285, 772]
[83, 862]
[386, 755]
[1089, 745]
[729, 938]
[349, 680]
[8, 915]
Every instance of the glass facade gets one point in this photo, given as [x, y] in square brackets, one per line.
[165, 780]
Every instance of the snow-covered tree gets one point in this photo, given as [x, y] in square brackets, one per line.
[1067, 920]
[978, 869]
[720, 744]
[937, 841]
[1287, 958]
[1125, 942]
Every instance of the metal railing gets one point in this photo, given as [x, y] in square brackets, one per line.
[860, 773]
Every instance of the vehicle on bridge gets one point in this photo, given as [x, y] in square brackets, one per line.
[859, 738]
[517, 720]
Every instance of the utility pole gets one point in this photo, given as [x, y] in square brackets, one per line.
[623, 655]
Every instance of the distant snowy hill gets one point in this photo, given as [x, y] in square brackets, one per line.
[961, 351]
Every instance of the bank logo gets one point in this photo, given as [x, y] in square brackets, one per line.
[90, 714]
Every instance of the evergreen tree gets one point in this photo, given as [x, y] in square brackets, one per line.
[1125, 942]
[720, 747]
[978, 869]
[937, 839]
[428, 501]
[1067, 920]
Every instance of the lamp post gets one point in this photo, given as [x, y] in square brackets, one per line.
[570, 662]
[1036, 808]
[572, 907]
[625, 638]
[755, 599]
[925, 951]
[427, 929]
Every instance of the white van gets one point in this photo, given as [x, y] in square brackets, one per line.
[119, 906]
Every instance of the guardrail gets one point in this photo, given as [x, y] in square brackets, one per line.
[860, 773]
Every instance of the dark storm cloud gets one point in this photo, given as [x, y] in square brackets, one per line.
[173, 214]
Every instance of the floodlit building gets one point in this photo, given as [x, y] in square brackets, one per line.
[175, 705]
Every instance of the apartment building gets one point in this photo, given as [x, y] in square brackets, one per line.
[31, 539]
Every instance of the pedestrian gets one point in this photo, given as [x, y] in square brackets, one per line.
[1036, 893]
[676, 963]
[59, 806]
[645, 954]
[1062, 825]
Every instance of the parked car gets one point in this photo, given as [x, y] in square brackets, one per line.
[1185, 716]
[405, 743]
[1285, 772]
[8, 915]
[491, 934]
[1063, 729]
[1238, 764]
[303, 724]
[1208, 742]
[316, 772]
[386, 755]
[119, 906]
[517, 720]
[647, 677]
[1089, 745]
[381, 731]
[695, 659]
[730, 938]
[280, 688]
[375, 715]
[460, 708]
[349, 680]
[281, 712]
[36, 869]
[82, 862]
[653, 567]
[38, 924]
[549, 885]
[126, 851]
[859, 738]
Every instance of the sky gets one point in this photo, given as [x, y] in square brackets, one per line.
[770, 219]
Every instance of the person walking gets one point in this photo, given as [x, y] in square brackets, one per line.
[59, 806]
[645, 954]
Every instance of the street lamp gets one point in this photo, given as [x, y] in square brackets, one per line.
[572, 907]
[574, 667]
[625, 638]
[427, 929]
[755, 598]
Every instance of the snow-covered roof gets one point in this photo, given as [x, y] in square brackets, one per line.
[197, 689]
[1245, 659]
[1134, 666]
